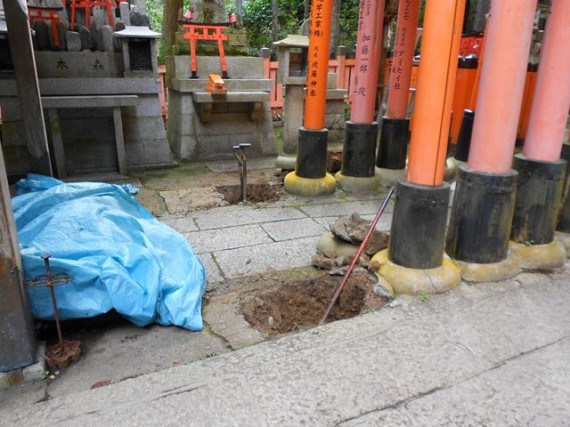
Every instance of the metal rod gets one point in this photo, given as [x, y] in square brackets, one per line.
[50, 285]
[358, 253]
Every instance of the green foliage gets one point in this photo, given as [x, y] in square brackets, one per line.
[348, 26]
[257, 19]
[154, 11]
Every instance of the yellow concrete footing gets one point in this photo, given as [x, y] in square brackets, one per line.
[542, 257]
[308, 187]
[412, 281]
[389, 177]
[564, 238]
[357, 185]
[492, 272]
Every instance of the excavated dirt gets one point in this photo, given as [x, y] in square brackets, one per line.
[288, 307]
[256, 193]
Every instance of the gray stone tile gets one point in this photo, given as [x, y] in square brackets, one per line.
[182, 224]
[257, 259]
[345, 208]
[531, 390]
[293, 229]
[227, 238]
[224, 217]
[213, 272]
[387, 417]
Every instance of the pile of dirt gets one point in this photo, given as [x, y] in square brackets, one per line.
[299, 305]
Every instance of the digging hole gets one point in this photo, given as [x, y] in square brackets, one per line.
[300, 305]
[255, 193]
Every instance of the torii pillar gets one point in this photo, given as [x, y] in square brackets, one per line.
[541, 171]
[480, 225]
[357, 172]
[310, 177]
[414, 261]
[395, 133]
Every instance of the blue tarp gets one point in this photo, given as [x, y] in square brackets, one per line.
[119, 255]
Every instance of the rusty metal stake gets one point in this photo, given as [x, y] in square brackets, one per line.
[65, 351]
[357, 256]
[239, 152]
[50, 285]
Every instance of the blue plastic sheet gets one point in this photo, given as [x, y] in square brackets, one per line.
[119, 255]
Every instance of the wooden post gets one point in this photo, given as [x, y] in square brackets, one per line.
[319, 39]
[17, 339]
[549, 110]
[402, 59]
[436, 81]
[502, 85]
[28, 87]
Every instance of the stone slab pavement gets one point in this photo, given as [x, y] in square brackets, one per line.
[494, 354]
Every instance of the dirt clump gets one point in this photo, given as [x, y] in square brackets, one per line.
[299, 305]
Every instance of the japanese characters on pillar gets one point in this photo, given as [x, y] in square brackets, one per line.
[368, 48]
[402, 58]
[319, 39]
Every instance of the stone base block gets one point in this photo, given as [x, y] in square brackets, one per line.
[492, 272]
[308, 187]
[411, 281]
[541, 257]
[30, 373]
[286, 162]
[357, 185]
[329, 246]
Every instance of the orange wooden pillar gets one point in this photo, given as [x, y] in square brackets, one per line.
[420, 214]
[541, 171]
[310, 177]
[483, 205]
[357, 173]
[395, 133]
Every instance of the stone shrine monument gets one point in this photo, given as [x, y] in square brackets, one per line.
[99, 89]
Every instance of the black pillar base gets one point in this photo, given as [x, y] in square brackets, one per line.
[564, 218]
[359, 149]
[312, 153]
[480, 224]
[464, 140]
[417, 237]
[393, 149]
[539, 192]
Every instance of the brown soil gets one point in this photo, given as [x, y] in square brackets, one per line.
[256, 193]
[297, 305]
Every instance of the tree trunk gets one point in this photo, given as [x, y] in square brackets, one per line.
[170, 24]
[335, 29]
[306, 9]
[275, 13]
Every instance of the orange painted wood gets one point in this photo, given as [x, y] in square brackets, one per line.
[551, 104]
[402, 59]
[319, 40]
[501, 87]
[434, 94]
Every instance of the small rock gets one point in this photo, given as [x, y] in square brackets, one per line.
[73, 41]
[271, 322]
[323, 262]
[338, 229]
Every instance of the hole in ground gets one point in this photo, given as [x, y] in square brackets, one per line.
[300, 305]
[255, 193]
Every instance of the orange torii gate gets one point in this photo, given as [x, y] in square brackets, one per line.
[213, 32]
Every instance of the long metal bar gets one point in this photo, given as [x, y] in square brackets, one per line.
[358, 253]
